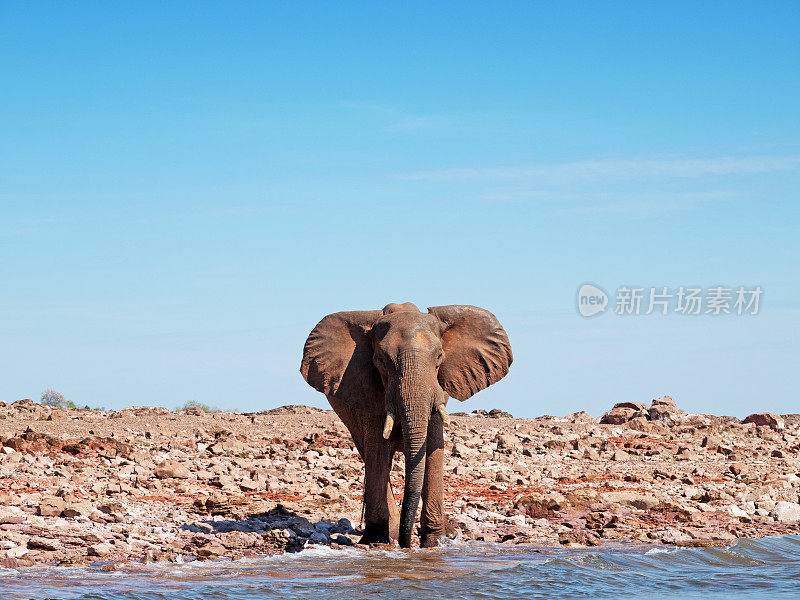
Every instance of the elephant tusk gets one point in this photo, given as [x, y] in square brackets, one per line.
[443, 412]
[387, 428]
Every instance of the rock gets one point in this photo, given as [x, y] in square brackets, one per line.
[635, 406]
[344, 525]
[620, 456]
[330, 492]
[791, 419]
[170, 469]
[151, 555]
[496, 413]
[212, 549]
[765, 419]
[16, 563]
[665, 401]
[303, 528]
[44, 543]
[248, 485]
[77, 509]
[461, 450]
[737, 512]
[666, 413]
[581, 417]
[11, 515]
[100, 550]
[16, 552]
[230, 445]
[113, 508]
[591, 454]
[578, 537]
[618, 416]
[786, 512]
[238, 539]
[508, 443]
[634, 499]
[672, 536]
[318, 538]
[342, 540]
[51, 507]
[581, 497]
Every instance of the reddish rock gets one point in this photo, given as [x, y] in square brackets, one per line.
[77, 509]
[665, 401]
[99, 550]
[170, 469]
[51, 507]
[765, 419]
[637, 406]
[618, 416]
[44, 543]
[17, 563]
[211, 549]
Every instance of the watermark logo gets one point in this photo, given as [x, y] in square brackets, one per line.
[592, 300]
[684, 300]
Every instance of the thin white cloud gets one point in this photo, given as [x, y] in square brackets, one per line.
[617, 169]
[601, 201]
[412, 124]
[647, 204]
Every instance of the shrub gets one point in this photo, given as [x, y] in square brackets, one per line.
[50, 397]
[198, 405]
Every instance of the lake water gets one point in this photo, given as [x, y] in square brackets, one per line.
[767, 568]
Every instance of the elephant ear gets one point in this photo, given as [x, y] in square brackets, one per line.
[477, 352]
[337, 360]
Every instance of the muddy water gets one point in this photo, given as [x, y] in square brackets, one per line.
[764, 568]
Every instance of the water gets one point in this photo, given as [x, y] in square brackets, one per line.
[767, 568]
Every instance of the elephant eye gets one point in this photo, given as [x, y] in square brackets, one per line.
[439, 358]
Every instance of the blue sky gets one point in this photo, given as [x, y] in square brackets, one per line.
[187, 188]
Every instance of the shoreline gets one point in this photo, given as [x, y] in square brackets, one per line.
[79, 487]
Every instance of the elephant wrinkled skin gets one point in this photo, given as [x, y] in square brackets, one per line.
[388, 375]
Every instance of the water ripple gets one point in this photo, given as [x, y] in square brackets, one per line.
[766, 568]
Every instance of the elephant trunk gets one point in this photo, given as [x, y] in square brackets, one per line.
[415, 409]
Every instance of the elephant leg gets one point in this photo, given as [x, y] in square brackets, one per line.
[380, 504]
[433, 520]
[352, 421]
[381, 515]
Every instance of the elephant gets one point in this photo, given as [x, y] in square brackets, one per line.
[388, 375]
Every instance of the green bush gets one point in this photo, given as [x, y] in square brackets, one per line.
[50, 397]
[200, 405]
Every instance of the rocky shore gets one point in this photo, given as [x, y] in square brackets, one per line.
[152, 484]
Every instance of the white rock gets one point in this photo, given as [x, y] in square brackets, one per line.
[16, 552]
[517, 519]
[100, 550]
[737, 512]
[786, 512]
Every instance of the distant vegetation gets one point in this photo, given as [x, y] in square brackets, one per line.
[199, 405]
[51, 397]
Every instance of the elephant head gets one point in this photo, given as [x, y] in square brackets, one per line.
[405, 363]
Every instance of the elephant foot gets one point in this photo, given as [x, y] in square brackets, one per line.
[429, 536]
[376, 534]
[430, 540]
[390, 546]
